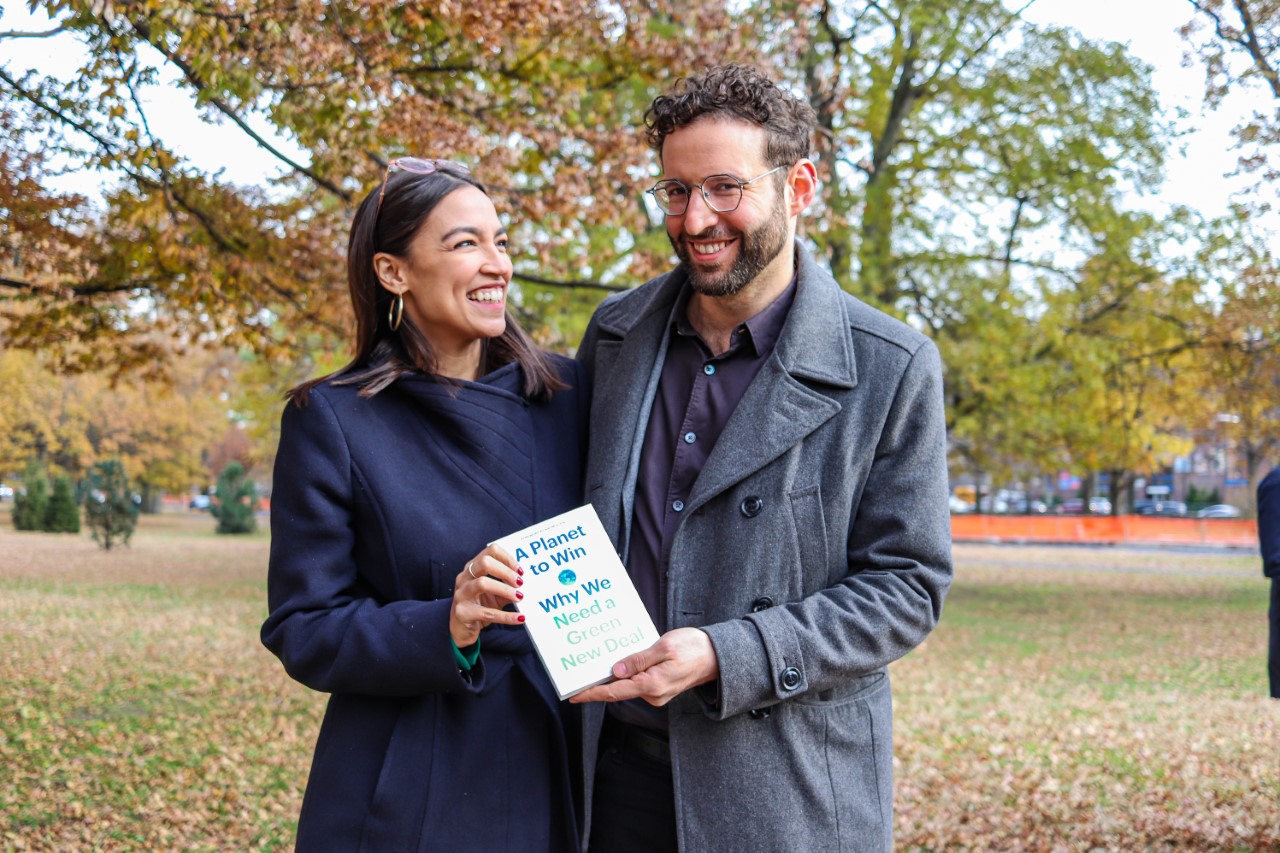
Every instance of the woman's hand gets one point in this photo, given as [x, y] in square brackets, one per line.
[486, 584]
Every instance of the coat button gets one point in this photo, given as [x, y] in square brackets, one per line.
[764, 602]
[760, 713]
[751, 506]
[790, 678]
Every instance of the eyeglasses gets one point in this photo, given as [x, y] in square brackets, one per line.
[418, 166]
[722, 193]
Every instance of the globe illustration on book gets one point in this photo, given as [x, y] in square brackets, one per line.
[567, 577]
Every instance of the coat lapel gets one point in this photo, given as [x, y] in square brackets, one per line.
[785, 402]
[633, 365]
[775, 414]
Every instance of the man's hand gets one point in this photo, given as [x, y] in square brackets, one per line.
[680, 660]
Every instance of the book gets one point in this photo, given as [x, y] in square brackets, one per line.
[581, 609]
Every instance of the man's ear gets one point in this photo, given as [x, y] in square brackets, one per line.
[802, 180]
[390, 272]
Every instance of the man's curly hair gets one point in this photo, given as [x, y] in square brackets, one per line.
[735, 92]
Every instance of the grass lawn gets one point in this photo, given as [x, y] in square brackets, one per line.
[1072, 699]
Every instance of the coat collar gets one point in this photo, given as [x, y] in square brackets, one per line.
[815, 343]
[789, 398]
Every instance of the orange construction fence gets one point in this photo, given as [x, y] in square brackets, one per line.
[1105, 529]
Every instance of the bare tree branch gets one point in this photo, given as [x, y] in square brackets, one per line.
[83, 289]
[143, 29]
[44, 34]
[1251, 44]
[587, 285]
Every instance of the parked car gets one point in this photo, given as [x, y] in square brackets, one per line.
[1075, 506]
[958, 505]
[1174, 509]
[1021, 505]
[6, 492]
[1012, 501]
[199, 502]
[1219, 511]
[993, 504]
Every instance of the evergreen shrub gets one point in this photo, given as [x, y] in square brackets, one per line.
[109, 510]
[233, 505]
[61, 515]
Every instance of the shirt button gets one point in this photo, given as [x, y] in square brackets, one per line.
[709, 369]
[678, 506]
[690, 438]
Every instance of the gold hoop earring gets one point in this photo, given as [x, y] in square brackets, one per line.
[396, 312]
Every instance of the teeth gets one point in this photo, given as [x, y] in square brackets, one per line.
[708, 248]
[489, 294]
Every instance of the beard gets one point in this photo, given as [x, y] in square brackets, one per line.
[756, 250]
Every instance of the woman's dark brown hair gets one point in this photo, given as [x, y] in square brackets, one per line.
[382, 354]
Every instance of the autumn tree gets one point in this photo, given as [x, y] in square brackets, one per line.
[1239, 373]
[1122, 378]
[1238, 42]
[955, 134]
[159, 429]
[546, 112]
[977, 172]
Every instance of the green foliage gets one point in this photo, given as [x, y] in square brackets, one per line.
[1198, 498]
[30, 504]
[61, 515]
[109, 510]
[36, 509]
[233, 506]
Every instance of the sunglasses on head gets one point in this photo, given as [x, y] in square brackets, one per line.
[418, 166]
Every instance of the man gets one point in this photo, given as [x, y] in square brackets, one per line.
[768, 455]
[1269, 539]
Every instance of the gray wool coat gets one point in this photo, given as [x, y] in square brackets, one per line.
[815, 549]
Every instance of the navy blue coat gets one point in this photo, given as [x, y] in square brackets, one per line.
[1269, 522]
[376, 506]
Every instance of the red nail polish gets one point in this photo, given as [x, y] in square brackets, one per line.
[519, 594]
[519, 570]
[519, 581]
[520, 618]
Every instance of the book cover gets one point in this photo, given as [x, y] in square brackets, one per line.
[581, 609]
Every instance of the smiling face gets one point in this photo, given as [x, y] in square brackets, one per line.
[748, 248]
[454, 279]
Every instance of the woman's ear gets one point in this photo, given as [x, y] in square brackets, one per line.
[390, 272]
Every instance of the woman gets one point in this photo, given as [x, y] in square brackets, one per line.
[447, 430]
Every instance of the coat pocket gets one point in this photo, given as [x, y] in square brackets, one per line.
[855, 762]
[809, 527]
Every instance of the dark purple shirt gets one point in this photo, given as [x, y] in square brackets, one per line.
[696, 394]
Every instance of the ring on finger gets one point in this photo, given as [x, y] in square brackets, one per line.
[471, 572]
